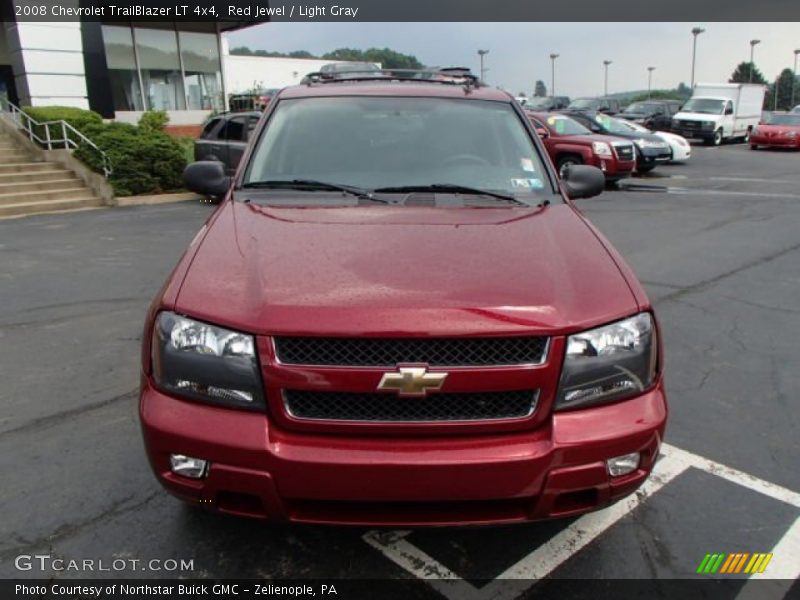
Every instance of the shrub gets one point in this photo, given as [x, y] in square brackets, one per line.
[79, 118]
[154, 120]
[144, 161]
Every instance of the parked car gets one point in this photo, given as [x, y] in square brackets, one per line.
[348, 340]
[718, 112]
[653, 114]
[651, 150]
[796, 110]
[570, 143]
[609, 106]
[224, 138]
[679, 146]
[547, 103]
[252, 100]
[781, 130]
[360, 68]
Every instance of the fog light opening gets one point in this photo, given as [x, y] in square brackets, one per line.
[186, 466]
[622, 465]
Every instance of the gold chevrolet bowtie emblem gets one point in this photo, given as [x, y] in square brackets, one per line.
[412, 381]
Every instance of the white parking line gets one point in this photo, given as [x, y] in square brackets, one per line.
[550, 555]
[784, 568]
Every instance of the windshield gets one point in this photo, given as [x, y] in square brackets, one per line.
[611, 124]
[708, 106]
[642, 107]
[390, 142]
[562, 125]
[584, 103]
[784, 120]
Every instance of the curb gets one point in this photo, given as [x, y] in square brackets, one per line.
[155, 199]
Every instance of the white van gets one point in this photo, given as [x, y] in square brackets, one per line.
[717, 112]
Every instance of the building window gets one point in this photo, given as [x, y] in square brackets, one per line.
[160, 68]
[121, 61]
[201, 66]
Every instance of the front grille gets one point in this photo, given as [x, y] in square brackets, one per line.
[375, 407]
[388, 352]
[624, 151]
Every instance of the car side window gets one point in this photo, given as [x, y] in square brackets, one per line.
[234, 129]
[251, 125]
[208, 130]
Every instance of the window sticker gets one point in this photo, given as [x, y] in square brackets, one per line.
[527, 184]
[527, 164]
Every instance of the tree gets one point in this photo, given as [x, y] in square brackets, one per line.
[742, 74]
[522, 95]
[389, 59]
[684, 91]
[540, 90]
[242, 51]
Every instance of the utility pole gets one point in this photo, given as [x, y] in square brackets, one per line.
[482, 53]
[794, 80]
[753, 44]
[553, 58]
[649, 80]
[695, 32]
[605, 85]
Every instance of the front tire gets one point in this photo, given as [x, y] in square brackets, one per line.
[717, 140]
[567, 161]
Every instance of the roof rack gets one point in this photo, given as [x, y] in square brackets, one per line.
[448, 76]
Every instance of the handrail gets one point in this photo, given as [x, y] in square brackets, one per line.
[28, 124]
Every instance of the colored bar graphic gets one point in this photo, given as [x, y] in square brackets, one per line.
[734, 563]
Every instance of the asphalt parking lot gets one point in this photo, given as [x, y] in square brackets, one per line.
[716, 243]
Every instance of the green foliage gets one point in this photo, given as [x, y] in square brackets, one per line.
[79, 118]
[145, 161]
[540, 89]
[154, 120]
[389, 59]
[784, 88]
[742, 74]
[660, 95]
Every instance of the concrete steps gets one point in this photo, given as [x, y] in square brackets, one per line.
[30, 186]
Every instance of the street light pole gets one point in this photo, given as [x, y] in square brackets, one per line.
[605, 85]
[553, 58]
[649, 80]
[482, 53]
[695, 32]
[794, 80]
[753, 44]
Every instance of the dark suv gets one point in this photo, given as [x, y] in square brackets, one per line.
[609, 106]
[653, 114]
[224, 138]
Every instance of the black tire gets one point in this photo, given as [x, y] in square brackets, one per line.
[717, 139]
[753, 147]
[566, 161]
[747, 136]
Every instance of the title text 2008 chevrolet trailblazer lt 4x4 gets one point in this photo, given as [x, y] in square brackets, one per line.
[396, 316]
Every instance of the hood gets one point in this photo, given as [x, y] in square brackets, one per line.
[591, 137]
[693, 116]
[402, 270]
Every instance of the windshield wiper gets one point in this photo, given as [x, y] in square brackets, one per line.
[311, 185]
[447, 188]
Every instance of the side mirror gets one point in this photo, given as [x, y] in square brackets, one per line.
[543, 133]
[729, 111]
[583, 181]
[207, 177]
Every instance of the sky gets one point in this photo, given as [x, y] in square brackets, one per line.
[519, 52]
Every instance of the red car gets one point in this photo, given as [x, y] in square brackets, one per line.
[570, 143]
[781, 130]
[396, 316]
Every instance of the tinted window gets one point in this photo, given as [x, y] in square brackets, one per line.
[375, 142]
[234, 129]
[209, 128]
[708, 106]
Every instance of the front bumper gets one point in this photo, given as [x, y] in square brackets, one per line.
[775, 141]
[654, 156]
[260, 470]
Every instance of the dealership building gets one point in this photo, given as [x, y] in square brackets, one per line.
[118, 69]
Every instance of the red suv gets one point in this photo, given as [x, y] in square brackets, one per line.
[570, 143]
[396, 316]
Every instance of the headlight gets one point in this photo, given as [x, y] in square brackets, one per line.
[609, 363]
[601, 149]
[708, 124]
[202, 362]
